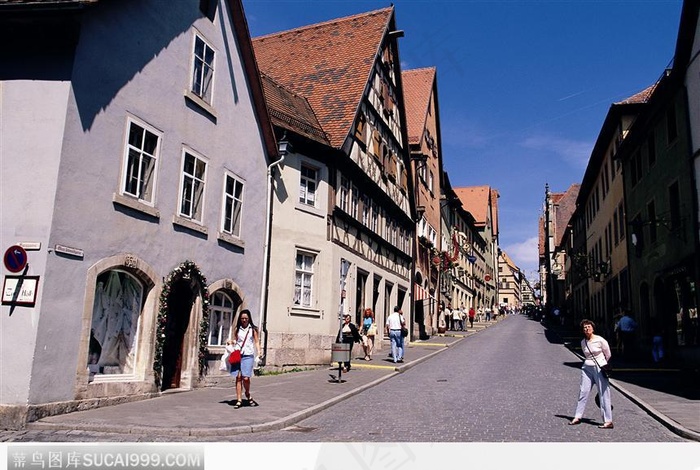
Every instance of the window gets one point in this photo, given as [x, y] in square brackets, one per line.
[671, 124]
[220, 318]
[431, 186]
[233, 203]
[344, 193]
[203, 69]
[366, 210]
[375, 217]
[616, 231]
[651, 149]
[621, 220]
[674, 200]
[354, 201]
[141, 155]
[651, 213]
[115, 319]
[192, 192]
[307, 185]
[304, 276]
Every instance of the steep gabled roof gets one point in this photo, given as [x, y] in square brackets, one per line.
[417, 89]
[290, 111]
[566, 206]
[541, 236]
[641, 97]
[494, 211]
[475, 199]
[328, 63]
[508, 260]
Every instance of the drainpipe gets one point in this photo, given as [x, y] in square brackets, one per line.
[283, 147]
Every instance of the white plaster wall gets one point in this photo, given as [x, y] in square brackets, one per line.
[296, 335]
[134, 59]
[32, 118]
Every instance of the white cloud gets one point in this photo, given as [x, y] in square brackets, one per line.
[576, 153]
[525, 255]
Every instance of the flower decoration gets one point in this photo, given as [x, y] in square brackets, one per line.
[186, 270]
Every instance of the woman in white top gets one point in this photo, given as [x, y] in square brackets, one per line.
[245, 339]
[597, 353]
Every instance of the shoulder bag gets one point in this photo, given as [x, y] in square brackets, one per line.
[606, 370]
[372, 330]
[235, 357]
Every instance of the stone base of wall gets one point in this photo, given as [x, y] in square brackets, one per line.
[289, 350]
[16, 417]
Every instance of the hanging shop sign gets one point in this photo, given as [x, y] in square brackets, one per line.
[20, 290]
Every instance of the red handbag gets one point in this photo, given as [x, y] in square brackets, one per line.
[235, 357]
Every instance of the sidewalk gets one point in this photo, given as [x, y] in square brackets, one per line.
[669, 395]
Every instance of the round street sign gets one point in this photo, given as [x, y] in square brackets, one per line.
[15, 259]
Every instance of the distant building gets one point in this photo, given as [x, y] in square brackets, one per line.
[510, 285]
[423, 122]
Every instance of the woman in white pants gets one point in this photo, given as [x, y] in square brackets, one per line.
[596, 351]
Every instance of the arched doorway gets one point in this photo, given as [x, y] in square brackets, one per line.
[179, 306]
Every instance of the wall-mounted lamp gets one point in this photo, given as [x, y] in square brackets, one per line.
[284, 146]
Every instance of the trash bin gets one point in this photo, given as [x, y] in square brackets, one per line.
[340, 352]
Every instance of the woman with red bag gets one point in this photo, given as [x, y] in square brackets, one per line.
[246, 340]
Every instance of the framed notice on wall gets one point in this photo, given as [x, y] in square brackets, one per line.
[20, 290]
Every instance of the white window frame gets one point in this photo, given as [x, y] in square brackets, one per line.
[196, 211]
[143, 187]
[366, 210]
[354, 202]
[203, 90]
[231, 201]
[308, 197]
[304, 278]
[374, 219]
[221, 309]
[344, 193]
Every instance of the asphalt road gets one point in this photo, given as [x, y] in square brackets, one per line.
[508, 383]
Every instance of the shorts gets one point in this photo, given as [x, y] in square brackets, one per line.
[246, 366]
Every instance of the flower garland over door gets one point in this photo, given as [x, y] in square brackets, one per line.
[186, 270]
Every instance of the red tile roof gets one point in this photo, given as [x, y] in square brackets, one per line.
[417, 89]
[641, 97]
[541, 236]
[291, 111]
[328, 63]
[475, 199]
[508, 260]
[494, 210]
[566, 205]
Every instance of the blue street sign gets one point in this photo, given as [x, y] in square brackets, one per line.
[15, 259]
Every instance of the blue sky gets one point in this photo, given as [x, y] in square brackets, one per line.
[524, 85]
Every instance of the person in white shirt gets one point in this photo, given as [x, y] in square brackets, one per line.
[394, 323]
[596, 351]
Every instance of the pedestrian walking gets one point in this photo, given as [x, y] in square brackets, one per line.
[457, 319]
[369, 331]
[472, 314]
[657, 341]
[348, 334]
[596, 351]
[626, 326]
[246, 340]
[394, 323]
